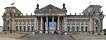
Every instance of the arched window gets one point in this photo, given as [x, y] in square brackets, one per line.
[82, 29]
[24, 28]
[67, 29]
[28, 28]
[32, 28]
[20, 28]
[32, 21]
[96, 28]
[16, 28]
[96, 22]
[7, 28]
[77, 29]
[72, 28]
[86, 29]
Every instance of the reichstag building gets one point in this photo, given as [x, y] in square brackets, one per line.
[50, 19]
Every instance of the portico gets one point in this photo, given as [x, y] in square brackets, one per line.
[49, 24]
[50, 18]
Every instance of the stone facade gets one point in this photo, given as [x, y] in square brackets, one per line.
[90, 22]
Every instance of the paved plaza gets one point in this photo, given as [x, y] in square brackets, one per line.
[49, 37]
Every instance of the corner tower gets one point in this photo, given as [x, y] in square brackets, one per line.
[96, 16]
[8, 18]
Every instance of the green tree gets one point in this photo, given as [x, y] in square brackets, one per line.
[104, 31]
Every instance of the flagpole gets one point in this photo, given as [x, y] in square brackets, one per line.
[13, 4]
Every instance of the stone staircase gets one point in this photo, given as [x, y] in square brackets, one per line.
[49, 37]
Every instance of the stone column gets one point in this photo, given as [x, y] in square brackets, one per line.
[41, 27]
[26, 25]
[70, 26]
[13, 25]
[46, 31]
[91, 26]
[9, 24]
[52, 24]
[75, 27]
[30, 25]
[4, 25]
[80, 26]
[35, 24]
[65, 25]
[84, 26]
[58, 25]
[18, 26]
[22, 26]
[101, 23]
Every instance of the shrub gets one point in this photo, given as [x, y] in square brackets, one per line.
[104, 33]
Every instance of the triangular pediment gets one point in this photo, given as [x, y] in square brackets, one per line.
[49, 9]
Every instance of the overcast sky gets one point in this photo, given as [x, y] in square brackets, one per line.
[72, 6]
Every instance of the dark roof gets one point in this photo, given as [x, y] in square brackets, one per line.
[95, 6]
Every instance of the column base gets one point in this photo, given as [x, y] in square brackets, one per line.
[33, 33]
[58, 31]
[65, 33]
[46, 31]
[52, 31]
[41, 31]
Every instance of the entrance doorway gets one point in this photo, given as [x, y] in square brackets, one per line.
[50, 27]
